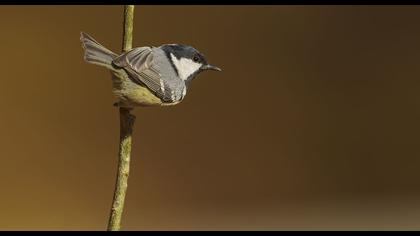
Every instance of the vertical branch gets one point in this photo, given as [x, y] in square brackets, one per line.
[128, 28]
[126, 130]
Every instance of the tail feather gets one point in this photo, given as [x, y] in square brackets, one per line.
[95, 53]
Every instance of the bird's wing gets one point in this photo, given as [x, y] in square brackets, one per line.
[138, 64]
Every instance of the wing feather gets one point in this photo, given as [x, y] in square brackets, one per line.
[137, 63]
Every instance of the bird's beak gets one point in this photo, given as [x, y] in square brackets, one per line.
[210, 67]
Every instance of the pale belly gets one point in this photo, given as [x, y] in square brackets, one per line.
[131, 94]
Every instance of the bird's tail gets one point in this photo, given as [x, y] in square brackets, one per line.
[95, 53]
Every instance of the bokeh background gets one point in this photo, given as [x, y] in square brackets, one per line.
[313, 123]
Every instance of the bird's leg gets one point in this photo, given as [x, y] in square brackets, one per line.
[123, 105]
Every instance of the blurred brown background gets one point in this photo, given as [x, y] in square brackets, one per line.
[313, 124]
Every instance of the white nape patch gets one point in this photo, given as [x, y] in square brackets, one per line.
[185, 66]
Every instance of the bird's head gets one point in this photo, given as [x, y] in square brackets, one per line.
[187, 61]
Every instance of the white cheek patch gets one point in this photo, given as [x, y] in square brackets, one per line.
[185, 66]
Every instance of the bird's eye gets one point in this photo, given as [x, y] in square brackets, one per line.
[196, 59]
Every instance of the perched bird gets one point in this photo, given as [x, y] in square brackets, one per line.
[148, 76]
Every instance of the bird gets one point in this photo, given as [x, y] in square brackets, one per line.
[148, 76]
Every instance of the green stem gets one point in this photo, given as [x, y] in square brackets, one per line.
[128, 28]
[126, 130]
